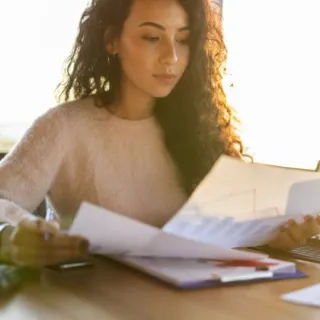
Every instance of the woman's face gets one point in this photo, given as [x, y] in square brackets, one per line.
[153, 47]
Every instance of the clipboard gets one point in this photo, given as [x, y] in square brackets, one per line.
[197, 279]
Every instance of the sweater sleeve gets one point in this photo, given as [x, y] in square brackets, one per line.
[28, 171]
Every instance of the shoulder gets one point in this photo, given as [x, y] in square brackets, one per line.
[70, 115]
[76, 112]
[55, 126]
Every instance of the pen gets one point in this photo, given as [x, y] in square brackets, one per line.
[49, 217]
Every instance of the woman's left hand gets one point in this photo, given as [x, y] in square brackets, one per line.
[293, 234]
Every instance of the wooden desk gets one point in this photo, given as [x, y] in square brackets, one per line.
[112, 291]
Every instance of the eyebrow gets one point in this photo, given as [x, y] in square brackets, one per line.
[160, 27]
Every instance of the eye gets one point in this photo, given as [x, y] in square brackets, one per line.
[183, 41]
[150, 39]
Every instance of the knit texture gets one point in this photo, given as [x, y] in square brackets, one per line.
[77, 152]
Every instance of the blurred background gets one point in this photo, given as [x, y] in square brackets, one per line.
[273, 66]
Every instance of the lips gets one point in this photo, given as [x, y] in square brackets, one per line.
[165, 76]
[166, 79]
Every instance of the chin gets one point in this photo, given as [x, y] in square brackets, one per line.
[161, 93]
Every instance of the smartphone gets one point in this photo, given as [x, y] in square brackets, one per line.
[71, 265]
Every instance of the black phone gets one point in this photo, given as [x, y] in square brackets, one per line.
[71, 265]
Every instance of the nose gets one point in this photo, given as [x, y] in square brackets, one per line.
[169, 54]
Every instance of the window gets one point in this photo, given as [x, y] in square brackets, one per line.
[273, 60]
[274, 63]
[35, 40]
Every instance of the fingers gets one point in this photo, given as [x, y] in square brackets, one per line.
[311, 226]
[283, 241]
[40, 226]
[30, 247]
[52, 227]
[57, 249]
[296, 233]
[73, 243]
[54, 242]
[35, 258]
[33, 231]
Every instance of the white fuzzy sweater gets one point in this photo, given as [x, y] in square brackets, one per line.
[77, 152]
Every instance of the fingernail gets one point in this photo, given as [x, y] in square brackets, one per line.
[55, 225]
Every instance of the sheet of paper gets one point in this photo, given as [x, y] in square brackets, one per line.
[226, 232]
[110, 233]
[304, 197]
[170, 246]
[238, 189]
[240, 204]
[308, 296]
[113, 234]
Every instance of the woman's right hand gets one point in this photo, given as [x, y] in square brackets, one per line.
[38, 243]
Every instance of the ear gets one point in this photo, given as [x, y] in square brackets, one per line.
[111, 48]
[111, 43]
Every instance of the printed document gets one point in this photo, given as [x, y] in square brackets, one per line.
[240, 204]
[112, 234]
[308, 296]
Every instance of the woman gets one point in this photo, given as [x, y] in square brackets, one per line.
[148, 121]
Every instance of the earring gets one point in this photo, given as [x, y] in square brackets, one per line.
[111, 58]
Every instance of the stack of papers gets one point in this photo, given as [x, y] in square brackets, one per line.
[236, 205]
[195, 273]
[112, 234]
[179, 261]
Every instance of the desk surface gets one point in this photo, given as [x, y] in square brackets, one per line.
[112, 291]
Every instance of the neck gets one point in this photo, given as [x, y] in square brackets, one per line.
[133, 103]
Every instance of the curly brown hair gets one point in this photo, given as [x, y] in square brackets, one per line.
[198, 124]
